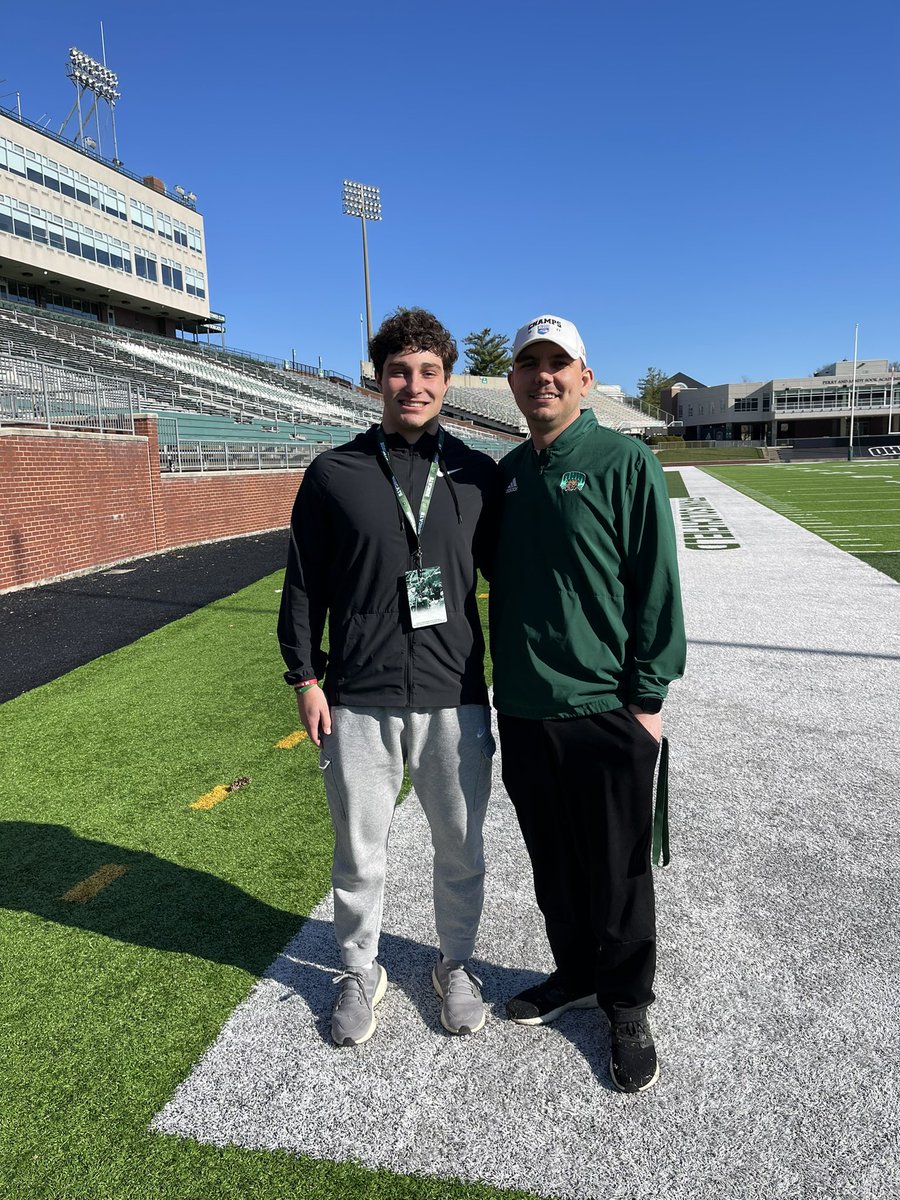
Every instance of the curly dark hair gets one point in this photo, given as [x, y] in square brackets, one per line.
[412, 329]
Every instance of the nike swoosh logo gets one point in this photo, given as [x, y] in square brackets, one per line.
[452, 471]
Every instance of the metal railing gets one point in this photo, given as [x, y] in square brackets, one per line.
[39, 393]
[96, 158]
[180, 453]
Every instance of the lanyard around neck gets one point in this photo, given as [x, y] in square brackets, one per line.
[405, 507]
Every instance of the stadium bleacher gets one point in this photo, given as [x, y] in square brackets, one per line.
[623, 414]
[498, 406]
[68, 368]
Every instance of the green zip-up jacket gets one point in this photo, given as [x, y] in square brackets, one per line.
[585, 604]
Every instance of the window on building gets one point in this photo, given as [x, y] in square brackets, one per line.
[38, 228]
[67, 182]
[15, 159]
[195, 284]
[33, 170]
[145, 264]
[142, 215]
[21, 220]
[73, 245]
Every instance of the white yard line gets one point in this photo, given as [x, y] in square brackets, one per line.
[776, 1016]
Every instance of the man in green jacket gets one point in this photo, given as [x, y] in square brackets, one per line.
[586, 635]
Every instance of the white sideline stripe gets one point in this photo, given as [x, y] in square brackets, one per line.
[776, 993]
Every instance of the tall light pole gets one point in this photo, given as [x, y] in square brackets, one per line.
[363, 201]
[853, 392]
[891, 403]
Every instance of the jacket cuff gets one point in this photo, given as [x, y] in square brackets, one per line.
[649, 704]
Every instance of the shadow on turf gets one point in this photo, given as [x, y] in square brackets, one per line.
[308, 967]
[771, 648]
[156, 903]
[164, 906]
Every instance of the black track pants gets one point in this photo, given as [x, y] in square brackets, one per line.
[583, 792]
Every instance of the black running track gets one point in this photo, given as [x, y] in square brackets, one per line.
[48, 630]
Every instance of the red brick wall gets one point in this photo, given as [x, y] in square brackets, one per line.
[73, 501]
[200, 508]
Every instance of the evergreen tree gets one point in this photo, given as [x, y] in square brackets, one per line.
[649, 387]
[487, 353]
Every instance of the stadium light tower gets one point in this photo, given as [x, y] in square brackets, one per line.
[96, 78]
[363, 201]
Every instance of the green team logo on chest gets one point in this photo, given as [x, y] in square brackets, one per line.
[572, 481]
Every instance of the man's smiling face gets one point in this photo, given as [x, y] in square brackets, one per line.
[548, 385]
[413, 386]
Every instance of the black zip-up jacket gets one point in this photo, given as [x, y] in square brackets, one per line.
[350, 548]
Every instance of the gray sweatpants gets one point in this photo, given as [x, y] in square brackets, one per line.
[448, 752]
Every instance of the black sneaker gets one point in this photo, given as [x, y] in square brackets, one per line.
[632, 1061]
[543, 1003]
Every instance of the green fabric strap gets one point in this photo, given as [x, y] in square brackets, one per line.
[661, 811]
[405, 508]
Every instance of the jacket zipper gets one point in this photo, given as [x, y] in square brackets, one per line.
[410, 643]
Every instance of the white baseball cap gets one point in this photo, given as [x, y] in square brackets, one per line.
[550, 329]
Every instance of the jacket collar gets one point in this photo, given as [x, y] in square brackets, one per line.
[569, 437]
[424, 446]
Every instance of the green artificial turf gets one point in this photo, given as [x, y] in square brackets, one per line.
[853, 505]
[704, 454]
[675, 485]
[106, 1005]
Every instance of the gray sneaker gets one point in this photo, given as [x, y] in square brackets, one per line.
[462, 1010]
[353, 1020]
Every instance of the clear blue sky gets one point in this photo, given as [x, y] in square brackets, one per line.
[704, 187]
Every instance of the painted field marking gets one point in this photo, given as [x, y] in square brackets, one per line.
[211, 799]
[482, 595]
[88, 888]
[219, 792]
[292, 740]
[702, 527]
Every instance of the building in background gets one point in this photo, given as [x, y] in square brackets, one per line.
[815, 406]
[79, 234]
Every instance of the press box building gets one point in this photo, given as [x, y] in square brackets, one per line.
[79, 234]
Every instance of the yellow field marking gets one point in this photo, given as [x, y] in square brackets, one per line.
[218, 794]
[292, 740]
[88, 888]
[211, 799]
[482, 595]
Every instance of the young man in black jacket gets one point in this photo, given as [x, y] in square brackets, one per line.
[387, 533]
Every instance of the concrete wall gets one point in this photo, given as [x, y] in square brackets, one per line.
[72, 502]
